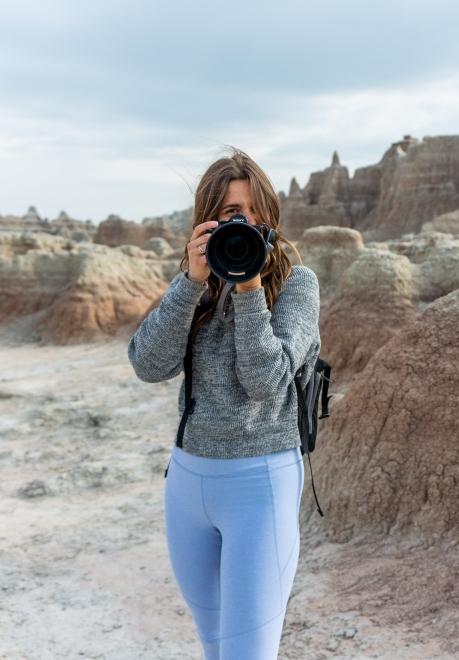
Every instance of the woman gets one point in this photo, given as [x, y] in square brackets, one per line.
[233, 490]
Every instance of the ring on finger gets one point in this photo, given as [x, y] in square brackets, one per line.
[201, 250]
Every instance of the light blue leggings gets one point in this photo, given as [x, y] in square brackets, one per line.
[232, 527]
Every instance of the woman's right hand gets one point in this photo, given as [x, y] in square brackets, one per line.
[198, 269]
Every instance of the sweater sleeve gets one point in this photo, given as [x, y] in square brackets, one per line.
[271, 346]
[157, 349]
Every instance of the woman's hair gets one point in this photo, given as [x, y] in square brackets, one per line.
[209, 198]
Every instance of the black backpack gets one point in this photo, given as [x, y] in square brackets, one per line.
[308, 408]
[308, 399]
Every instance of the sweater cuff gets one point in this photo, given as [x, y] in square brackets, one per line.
[249, 302]
[188, 290]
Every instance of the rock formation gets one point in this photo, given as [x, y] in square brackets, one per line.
[447, 223]
[177, 221]
[412, 183]
[369, 292]
[389, 458]
[31, 216]
[389, 323]
[76, 292]
[75, 230]
[63, 225]
[114, 231]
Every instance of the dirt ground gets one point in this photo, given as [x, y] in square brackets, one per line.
[84, 569]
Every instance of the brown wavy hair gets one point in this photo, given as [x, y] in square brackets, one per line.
[209, 198]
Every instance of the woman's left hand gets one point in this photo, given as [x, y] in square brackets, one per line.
[249, 285]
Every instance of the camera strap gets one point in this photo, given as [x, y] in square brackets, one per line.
[224, 314]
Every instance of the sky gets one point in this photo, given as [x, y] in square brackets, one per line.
[111, 106]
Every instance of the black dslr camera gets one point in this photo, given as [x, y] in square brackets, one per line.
[237, 250]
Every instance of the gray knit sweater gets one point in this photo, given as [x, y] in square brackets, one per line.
[243, 373]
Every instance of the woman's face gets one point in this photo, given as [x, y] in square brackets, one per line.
[238, 200]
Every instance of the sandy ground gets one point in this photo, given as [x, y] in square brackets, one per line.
[84, 568]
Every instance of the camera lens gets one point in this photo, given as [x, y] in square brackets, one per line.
[236, 249]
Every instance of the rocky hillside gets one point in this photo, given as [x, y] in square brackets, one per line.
[412, 183]
[77, 291]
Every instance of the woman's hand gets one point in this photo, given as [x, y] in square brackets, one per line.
[198, 269]
[249, 285]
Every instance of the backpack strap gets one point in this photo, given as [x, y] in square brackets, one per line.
[312, 479]
[189, 401]
[325, 397]
[312, 388]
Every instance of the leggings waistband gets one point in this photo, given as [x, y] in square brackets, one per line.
[209, 466]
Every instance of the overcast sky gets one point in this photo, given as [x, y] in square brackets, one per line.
[111, 106]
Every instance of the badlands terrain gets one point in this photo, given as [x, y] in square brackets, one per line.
[84, 568]
[84, 563]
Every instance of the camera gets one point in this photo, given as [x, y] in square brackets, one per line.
[237, 250]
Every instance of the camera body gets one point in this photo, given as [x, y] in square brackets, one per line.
[237, 250]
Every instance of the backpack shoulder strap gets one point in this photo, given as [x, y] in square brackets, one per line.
[189, 401]
[312, 482]
[325, 397]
